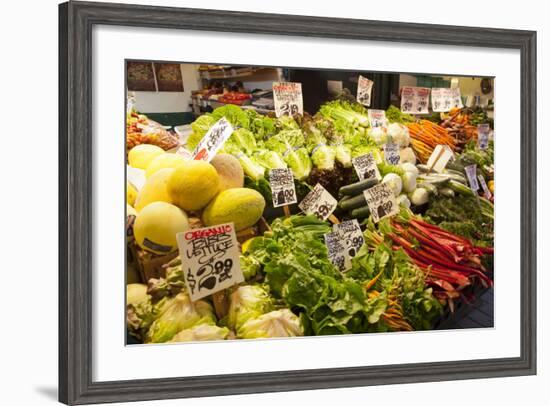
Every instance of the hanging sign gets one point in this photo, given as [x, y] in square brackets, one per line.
[213, 140]
[318, 202]
[283, 191]
[364, 90]
[210, 257]
[414, 100]
[287, 97]
[381, 202]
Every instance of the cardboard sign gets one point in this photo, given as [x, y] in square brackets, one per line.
[381, 202]
[366, 167]
[213, 140]
[486, 192]
[391, 153]
[471, 174]
[283, 191]
[287, 97]
[210, 258]
[439, 158]
[318, 202]
[414, 100]
[377, 118]
[444, 99]
[483, 131]
[364, 90]
[337, 253]
[351, 236]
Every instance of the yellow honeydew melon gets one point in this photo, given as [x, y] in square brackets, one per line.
[154, 189]
[193, 184]
[131, 194]
[141, 155]
[229, 170]
[163, 161]
[156, 227]
[240, 206]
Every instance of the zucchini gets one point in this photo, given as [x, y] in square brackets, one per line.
[447, 192]
[353, 202]
[360, 212]
[455, 166]
[358, 187]
[343, 200]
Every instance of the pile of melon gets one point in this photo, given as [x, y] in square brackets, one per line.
[176, 188]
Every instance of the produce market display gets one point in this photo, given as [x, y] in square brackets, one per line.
[352, 267]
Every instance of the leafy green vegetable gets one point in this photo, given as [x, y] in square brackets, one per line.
[246, 303]
[277, 323]
[394, 115]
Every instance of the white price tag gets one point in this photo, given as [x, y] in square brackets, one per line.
[391, 153]
[318, 202]
[135, 176]
[210, 258]
[483, 131]
[377, 118]
[456, 99]
[414, 100]
[283, 190]
[439, 158]
[213, 140]
[364, 90]
[337, 252]
[486, 192]
[381, 202]
[287, 97]
[351, 235]
[471, 174]
[365, 166]
[444, 99]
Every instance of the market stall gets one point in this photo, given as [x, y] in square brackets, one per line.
[343, 220]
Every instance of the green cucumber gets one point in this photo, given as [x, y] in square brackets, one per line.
[360, 212]
[353, 202]
[358, 187]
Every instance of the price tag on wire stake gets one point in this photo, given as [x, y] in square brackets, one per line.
[283, 190]
[381, 202]
[210, 258]
[486, 192]
[287, 97]
[377, 118]
[337, 252]
[471, 174]
[483, 131]
[366, 167]
[213, 140]
[391, 153]
[351, 236]
[318, 202]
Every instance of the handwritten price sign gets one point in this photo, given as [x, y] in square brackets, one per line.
[287, 97]
[381, 202]
[283, 191]
[318, 202]
[210, 257]
[366, 167]
[364, 90]
[213, 140]
[414, 100]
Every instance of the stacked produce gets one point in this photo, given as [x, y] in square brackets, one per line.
[142, 130]
[408, 270]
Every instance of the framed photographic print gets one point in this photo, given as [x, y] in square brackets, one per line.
[237, 222]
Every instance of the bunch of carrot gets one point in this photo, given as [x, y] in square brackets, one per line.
[425, 136]
[393, 316]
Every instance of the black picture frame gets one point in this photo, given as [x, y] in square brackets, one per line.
[76, 20]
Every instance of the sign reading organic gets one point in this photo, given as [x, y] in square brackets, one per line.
[364, 90]
[318, 202]
[213, 140]
[414, 100]
[381, 202]
[287, 97]
[283, 190]
[210, 258]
